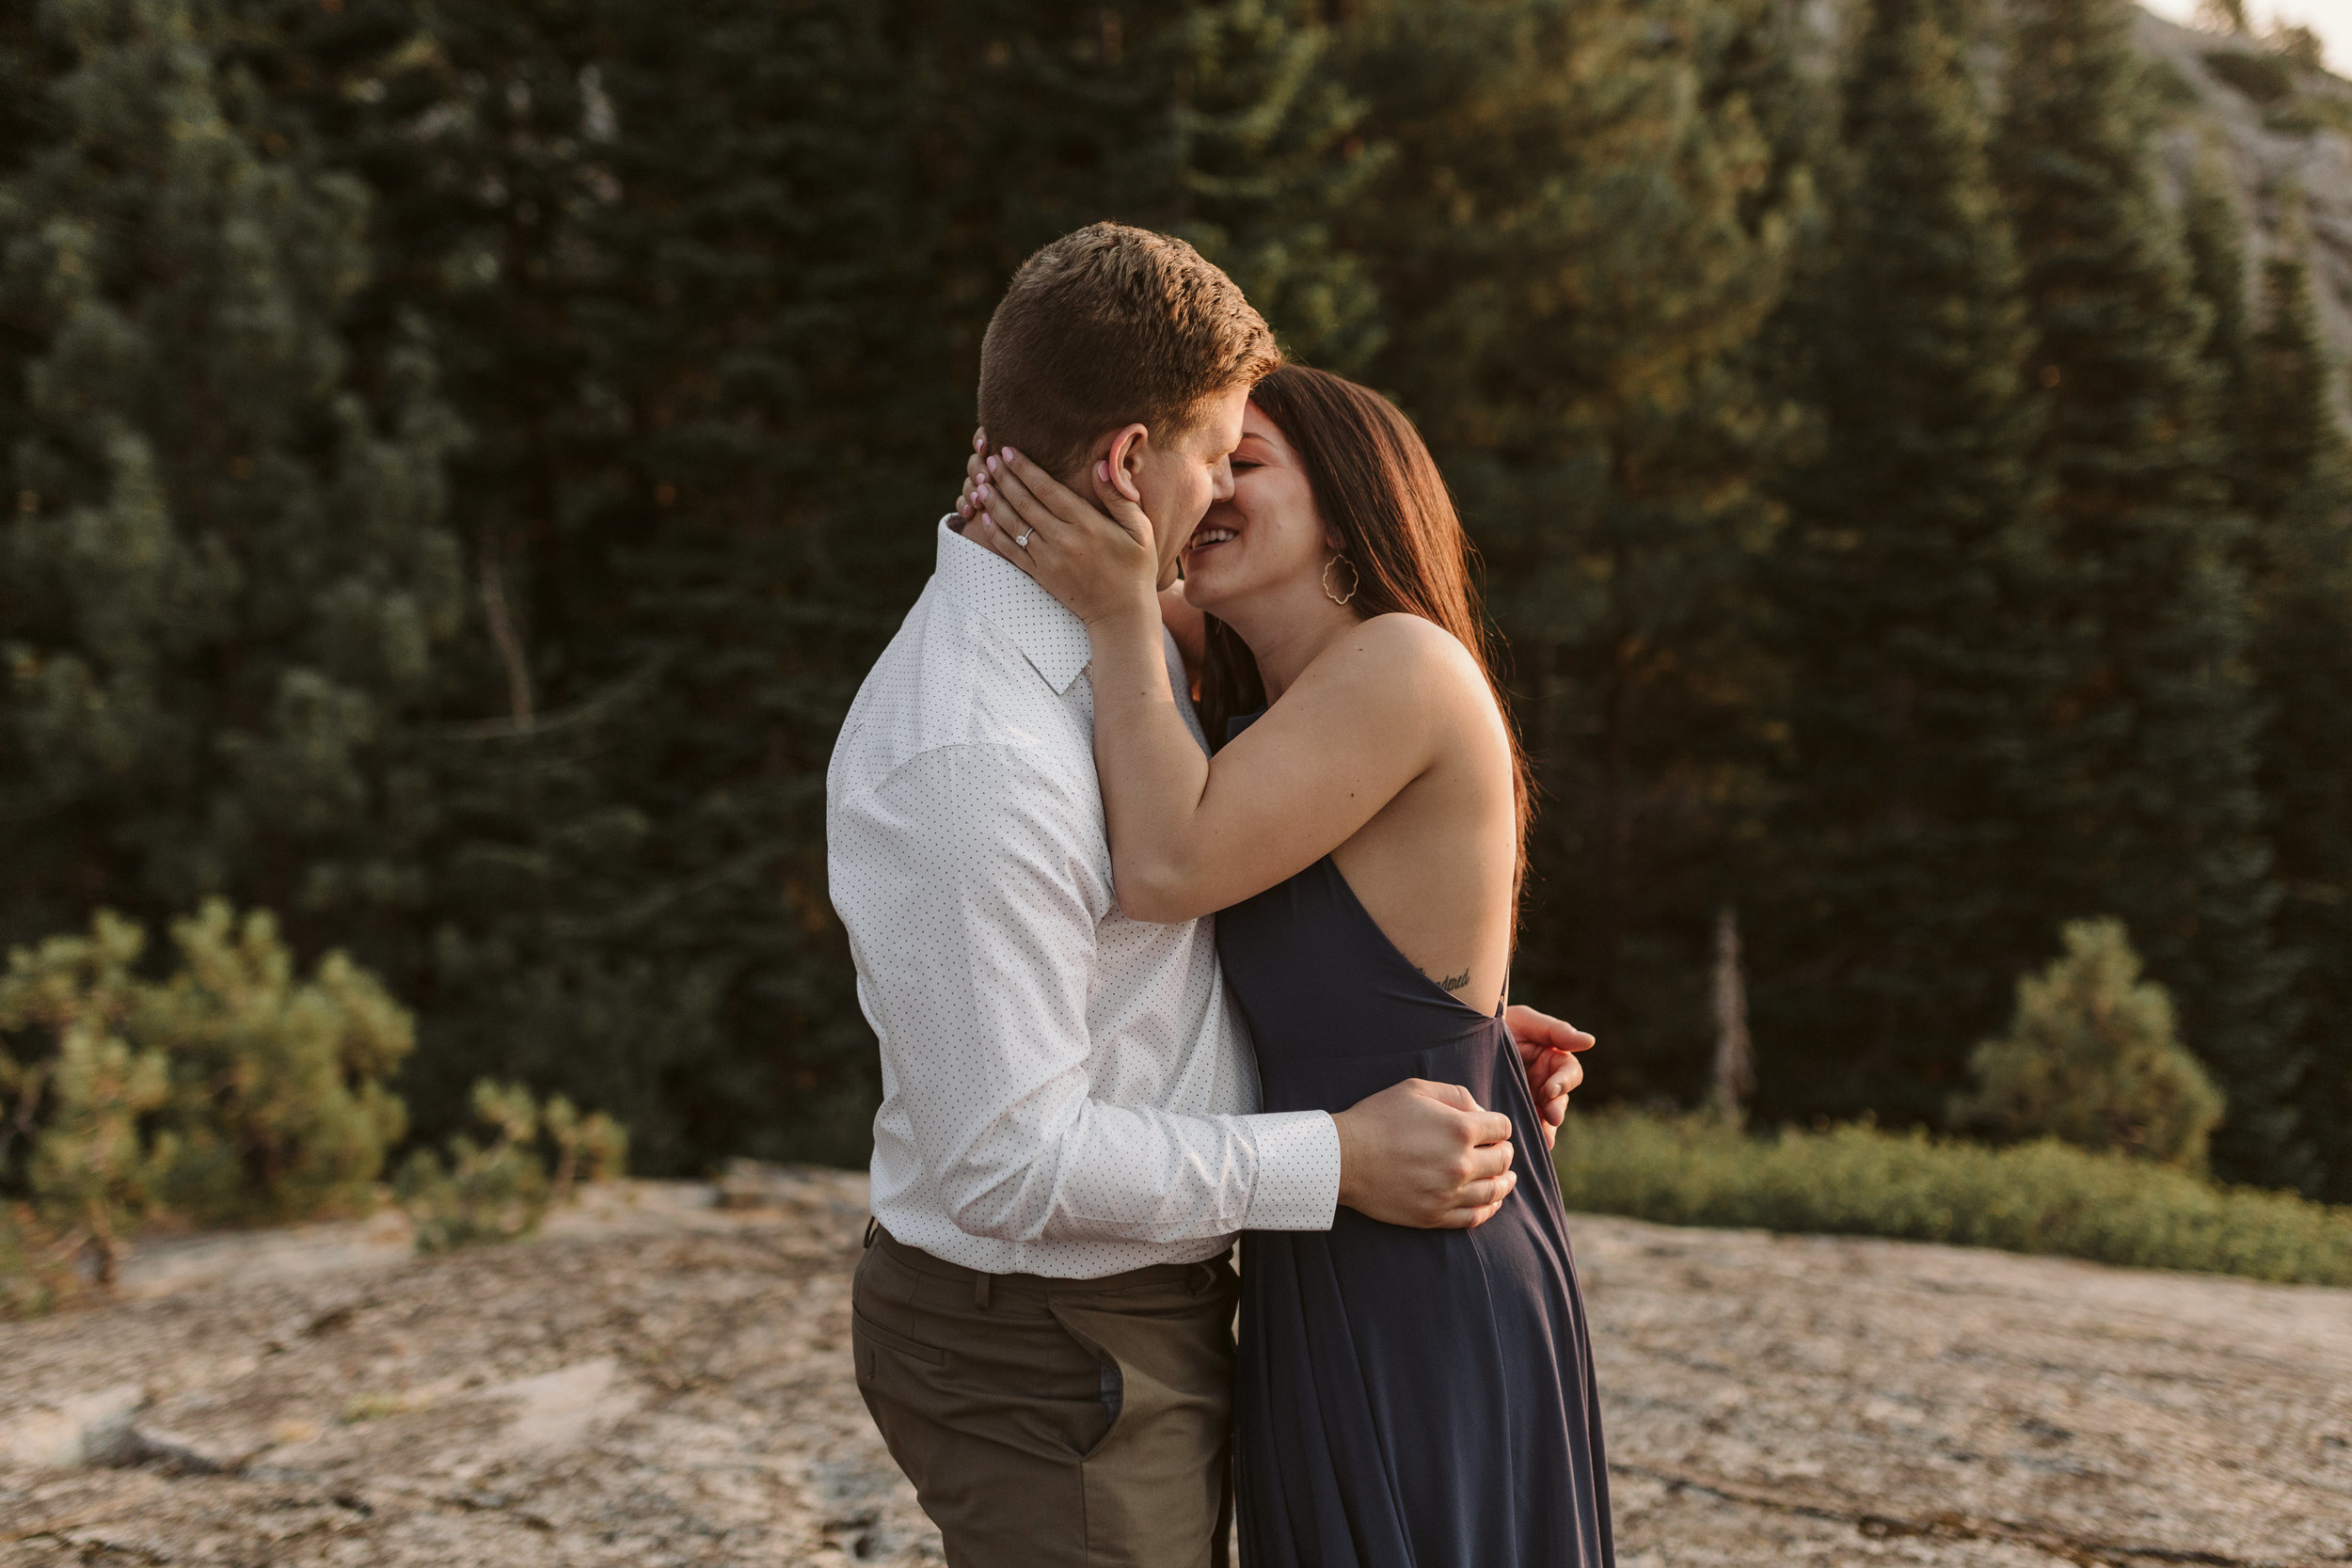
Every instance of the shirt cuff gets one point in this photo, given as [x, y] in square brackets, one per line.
[1298, 1171]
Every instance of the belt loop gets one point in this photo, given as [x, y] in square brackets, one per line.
[873, 1228]
[979, 1291]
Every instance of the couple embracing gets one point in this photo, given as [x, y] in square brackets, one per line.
[1148, 976]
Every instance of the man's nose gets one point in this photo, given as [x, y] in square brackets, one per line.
[1223, 489]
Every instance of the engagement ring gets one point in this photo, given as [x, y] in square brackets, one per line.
[1023, 539]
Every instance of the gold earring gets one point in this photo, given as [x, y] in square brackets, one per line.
[1355, 580]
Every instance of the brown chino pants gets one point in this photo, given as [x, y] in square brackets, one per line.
[1053, 1423]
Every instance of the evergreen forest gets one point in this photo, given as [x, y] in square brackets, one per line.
[461, 455]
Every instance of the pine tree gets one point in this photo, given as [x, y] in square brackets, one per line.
[488, 141]
[1274, 161]
[2299, 493]
[2157, 726]
[1212, 119]
[1910, 604]
[791, 421]
[691, 305]
[1579, 226]
[226, 579]
[709, 283]
[2092, 1057]
[25, 111]
[2215, 232]
[807, 239]
[2294, 451]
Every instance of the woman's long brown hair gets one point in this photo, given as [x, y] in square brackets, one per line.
[1379, 492]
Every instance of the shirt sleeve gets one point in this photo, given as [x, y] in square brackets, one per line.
[971, 910]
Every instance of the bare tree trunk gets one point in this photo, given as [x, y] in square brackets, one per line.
[1612, 841]
[1735, 1060]
[504, 638]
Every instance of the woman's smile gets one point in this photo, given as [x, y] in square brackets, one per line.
[1208, 536]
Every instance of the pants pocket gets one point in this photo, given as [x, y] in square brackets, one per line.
[1113, 1380]
[867, 1337]
[1155, 1482]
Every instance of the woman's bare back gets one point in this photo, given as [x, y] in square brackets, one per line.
[1435, 866]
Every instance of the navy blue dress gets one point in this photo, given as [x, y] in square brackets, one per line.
[1407, 1399]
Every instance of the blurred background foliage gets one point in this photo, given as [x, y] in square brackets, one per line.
[236, 1092]
[461, 457]
[2046, 1197]
[2092, 1058]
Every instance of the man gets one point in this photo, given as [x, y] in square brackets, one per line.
[1069, 1138]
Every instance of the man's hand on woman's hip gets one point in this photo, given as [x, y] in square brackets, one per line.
[1425, 1155]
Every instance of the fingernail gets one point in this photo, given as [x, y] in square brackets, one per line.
[1103, 471]
[982, 492]
[979, 442]
[1010, 454]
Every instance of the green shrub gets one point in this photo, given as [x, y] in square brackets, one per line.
[2037, 1197]
[280, 1101]
[229, 1093]
[234, 1092]
[2091, 1057]
[501, 1192]
[79, 1098]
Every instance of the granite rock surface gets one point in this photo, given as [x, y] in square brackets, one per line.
[663, 1378]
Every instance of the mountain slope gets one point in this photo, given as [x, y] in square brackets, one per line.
[2277, 125]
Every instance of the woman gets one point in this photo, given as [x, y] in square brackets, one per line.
[1405, 1396]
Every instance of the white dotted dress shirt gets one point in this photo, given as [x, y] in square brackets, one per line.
[1065, 1091]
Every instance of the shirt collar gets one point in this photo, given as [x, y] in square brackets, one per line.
[1053, 639]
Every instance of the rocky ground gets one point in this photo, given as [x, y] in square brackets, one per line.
[663, 1379]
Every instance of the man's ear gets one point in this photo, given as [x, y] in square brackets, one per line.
[1123, 459]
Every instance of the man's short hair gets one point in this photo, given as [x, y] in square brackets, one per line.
[1107, 326]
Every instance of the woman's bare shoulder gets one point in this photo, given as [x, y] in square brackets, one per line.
[1403, 647]
[1398, 674]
